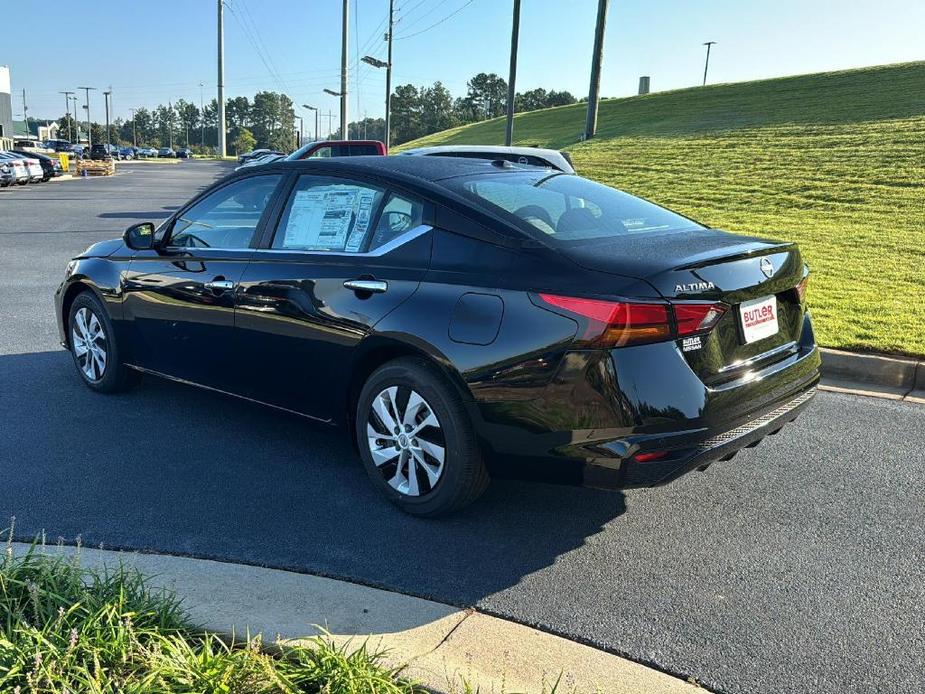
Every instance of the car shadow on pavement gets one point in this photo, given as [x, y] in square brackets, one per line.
[174, 469]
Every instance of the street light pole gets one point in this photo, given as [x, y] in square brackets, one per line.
[512, 76]
[67, 111]
[87, 91]
[312, 108]
[706, 65]
[343, 71]
[106, 96]
[202, 121]
[388, 77]
[134, 128]
[221, 78]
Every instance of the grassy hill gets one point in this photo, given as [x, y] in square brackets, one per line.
[835, 161]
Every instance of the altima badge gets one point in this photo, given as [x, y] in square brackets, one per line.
[767, 267]
[694, 287]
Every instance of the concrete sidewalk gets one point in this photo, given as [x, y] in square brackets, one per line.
[440, 645]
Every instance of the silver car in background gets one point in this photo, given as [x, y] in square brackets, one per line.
[19, 166]
[527, 156]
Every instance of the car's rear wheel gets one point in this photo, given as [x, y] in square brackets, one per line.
[93, 345]
[416, 440]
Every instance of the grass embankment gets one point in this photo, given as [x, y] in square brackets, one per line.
[68, 629]
[835, 161]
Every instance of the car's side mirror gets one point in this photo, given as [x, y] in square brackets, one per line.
[139, 237]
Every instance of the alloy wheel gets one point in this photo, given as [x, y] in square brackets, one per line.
[406, 441]
[90, 344]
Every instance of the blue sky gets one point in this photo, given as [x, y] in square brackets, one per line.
[151, 51]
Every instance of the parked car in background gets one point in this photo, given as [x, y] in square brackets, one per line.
[247, 156]
[79, 151]
[100, 151]
[166, 152]
[127, 152]
[51, 166]
[184, 153]
[21, 173]
[525, 156]
[338, 148]
[59, 145]
[33, 165]
[7, 175]
[29, 144]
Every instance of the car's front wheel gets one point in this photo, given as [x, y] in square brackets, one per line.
[416, 440]
[93, 345]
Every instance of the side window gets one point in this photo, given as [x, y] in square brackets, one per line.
[398, 216]
[325, 214]
[228, 217]
[321, 152]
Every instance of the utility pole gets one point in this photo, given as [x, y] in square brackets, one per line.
[67, 111]
[73, 100]
[106, 96]
[512, 76]
[596, 59]
[25, 112]
[301, 130]
[343, 71]
[87, 91]
[706, 65]
[330, 124]
[221, 77]
[388, 77]
[170, 123]
[202, 120]
[134, 128]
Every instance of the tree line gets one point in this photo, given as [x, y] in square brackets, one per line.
[268, 120]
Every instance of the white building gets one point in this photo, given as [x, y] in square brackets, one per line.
[6, 104]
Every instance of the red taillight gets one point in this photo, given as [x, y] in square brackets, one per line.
[801, 289]
[697, 318]
[650, 456]
[619, 323]
[616, 323]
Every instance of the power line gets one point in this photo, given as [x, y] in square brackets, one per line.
[417, 20]
[437, 23]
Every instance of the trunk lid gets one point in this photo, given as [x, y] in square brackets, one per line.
[715, 266]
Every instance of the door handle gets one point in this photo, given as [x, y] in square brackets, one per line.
[370, 286]
[220, 285]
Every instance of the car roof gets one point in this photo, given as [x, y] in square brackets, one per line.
[424, 169]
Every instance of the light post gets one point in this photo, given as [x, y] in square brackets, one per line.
[106, 96]
[67, 111]
[301, 129]
[344, 127]
[134, 128]
[202, 120]
[706, 65]
[87, 91]
[375, 62]
[312, 108]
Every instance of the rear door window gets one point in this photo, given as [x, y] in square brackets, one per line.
[326, 214]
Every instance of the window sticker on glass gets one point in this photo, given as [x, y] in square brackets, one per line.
[364, 211]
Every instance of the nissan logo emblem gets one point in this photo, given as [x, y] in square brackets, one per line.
[767, 267]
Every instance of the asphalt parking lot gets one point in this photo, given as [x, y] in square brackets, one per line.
[797, 567]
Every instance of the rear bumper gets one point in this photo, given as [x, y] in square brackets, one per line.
[588, 423]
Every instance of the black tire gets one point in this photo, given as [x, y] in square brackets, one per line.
[114, 376]
[463, 476]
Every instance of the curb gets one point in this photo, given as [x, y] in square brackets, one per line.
[441, 646]
[876, 375]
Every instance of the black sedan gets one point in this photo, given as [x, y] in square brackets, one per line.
[460, 318]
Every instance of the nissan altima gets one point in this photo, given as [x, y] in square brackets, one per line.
[460, 318]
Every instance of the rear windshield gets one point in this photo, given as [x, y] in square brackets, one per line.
[567, 208]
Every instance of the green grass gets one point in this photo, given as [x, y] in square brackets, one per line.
[67, 629]
[834, 161]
